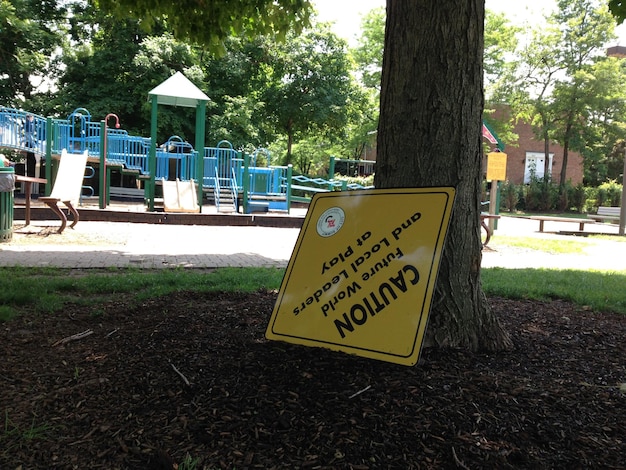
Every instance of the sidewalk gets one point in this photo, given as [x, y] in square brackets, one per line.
[119, 244]
[122, 244]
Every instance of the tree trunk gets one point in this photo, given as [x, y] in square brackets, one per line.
[566, 140]
[547, 169]
[429, 134]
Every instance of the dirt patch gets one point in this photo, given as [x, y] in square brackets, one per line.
[192, 375]
[83, 235]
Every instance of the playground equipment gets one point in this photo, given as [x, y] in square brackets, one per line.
[234, 181]
[179, 196]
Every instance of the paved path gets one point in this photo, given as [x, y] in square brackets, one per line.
[115, 244]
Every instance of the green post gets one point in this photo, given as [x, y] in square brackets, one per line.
[200, 128]
[102, 177]
[48, 156]
[289, 175]
[331, 168]
[149, 191]
[497, 208]
[246, 181]
[108, 185]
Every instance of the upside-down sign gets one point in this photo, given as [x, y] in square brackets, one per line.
[362, 274]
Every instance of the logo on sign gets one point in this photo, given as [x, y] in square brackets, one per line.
[330, 222]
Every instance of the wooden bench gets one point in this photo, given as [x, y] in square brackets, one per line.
[544, 218]
[67, 186]
[606, 213]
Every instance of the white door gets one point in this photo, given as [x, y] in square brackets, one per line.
[535, 165]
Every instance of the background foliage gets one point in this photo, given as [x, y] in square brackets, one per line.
[284, 81]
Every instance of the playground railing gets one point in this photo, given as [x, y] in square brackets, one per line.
[18, 134]
[221, 163]
[129, 152]
[304, 186]
[273, 186]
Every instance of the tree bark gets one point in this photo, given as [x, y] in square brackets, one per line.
[429, 134]
[566, 141]
[547, 169]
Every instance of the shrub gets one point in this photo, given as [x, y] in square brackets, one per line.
[364, 181]
[541, 195]
[579, 198]
[509, 196]
[611, 192]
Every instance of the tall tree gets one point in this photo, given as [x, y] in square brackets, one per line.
[310, 86]
[98, 72]
[368, 54]
[586, 27]
[30, 32]
[539, 73]
[556, 63]
[500, 62]
[429, 134]
[501, 68]
[605, 121]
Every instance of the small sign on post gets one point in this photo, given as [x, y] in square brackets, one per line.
[496, 171]
[496, 166]
[363, 271]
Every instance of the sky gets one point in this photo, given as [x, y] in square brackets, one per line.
[348, 14]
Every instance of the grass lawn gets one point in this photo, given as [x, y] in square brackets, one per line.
[47, 290]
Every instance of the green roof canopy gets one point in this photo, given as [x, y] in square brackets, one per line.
[178, 91]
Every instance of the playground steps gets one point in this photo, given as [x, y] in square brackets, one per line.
[126, 193]
[226, 200]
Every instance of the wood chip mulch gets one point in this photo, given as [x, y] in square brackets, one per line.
[189, 381]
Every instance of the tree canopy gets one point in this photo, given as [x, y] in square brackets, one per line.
[618, 10]
[30, 32]
[211, 22]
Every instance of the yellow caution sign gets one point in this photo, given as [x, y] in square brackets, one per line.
[496, 166]
[362, 274]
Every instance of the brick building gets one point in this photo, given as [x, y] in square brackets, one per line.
[528, 153]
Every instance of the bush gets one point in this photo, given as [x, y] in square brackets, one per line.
[601, 197]
[611, 192]
[509, 196]
[579, 198]
[364, 181]
[541, 195]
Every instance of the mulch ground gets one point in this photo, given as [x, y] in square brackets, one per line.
[193, 377]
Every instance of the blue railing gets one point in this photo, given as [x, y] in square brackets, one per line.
[129, 152]
[21, 130]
